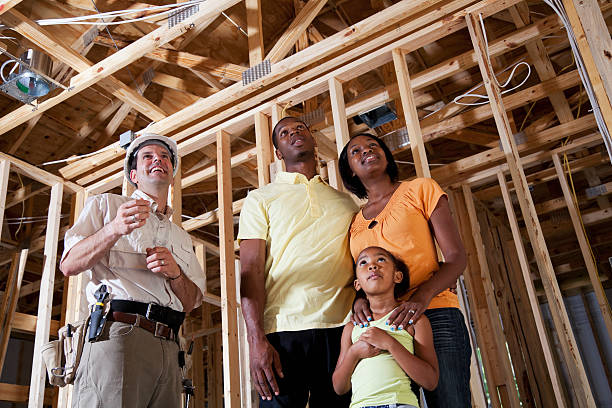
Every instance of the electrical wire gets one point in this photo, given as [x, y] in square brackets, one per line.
[505, 84]
[140, 91]
[173, 8]
[559, 9]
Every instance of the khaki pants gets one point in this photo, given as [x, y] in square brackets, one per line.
[128, 367]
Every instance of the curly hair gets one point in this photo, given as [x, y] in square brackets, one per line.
[351, 181]
[401, 287]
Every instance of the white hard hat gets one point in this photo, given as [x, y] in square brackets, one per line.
[148, 139]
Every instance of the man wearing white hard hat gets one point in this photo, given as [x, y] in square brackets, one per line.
[136, 258]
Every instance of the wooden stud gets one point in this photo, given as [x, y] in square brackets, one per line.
[176, 196]
[45, 302]
[76, 308]
[560, 318]
[419, 156]
[200, 251]
[5, 168]
[9, 300]
[476, 384]
[595, 46]
[507, 391]
[532, 298]
[254, 31]
[263, 143]
[541, 61]
[585, 249]
[127, 188]
[231, 367]
[336, 96]
[333, 174]
[478, 304]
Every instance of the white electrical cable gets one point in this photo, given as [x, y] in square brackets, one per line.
[71, 158]
[234, 23]
[505, 84]
[470, 94]
[559, 9]
[173, 8]
[12, 70]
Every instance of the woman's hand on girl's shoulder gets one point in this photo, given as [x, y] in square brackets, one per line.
[361, 312]
[410, 311]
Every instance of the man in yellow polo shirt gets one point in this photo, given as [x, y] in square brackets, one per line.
[297, 276]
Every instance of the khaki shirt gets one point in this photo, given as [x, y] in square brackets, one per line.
[309, 270]
[124, 269]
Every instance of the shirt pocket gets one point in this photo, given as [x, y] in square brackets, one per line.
[182, 255]
[123, 256]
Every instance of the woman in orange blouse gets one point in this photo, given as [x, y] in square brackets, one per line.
[405, 218]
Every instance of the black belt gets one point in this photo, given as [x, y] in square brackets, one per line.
[151, 311]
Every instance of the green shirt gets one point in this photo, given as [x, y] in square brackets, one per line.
[379, 380]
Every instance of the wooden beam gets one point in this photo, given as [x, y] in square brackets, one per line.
[555, 300]
[231, 364]
[56, 48]
[531, 293]
[6, 5]
[263, 143]
[210, 171]
[297, 27]
[5, 169]
[9, 300]
[45, 302]
[24, 134]
[479, 310]
[541, 61]
[183, 85]
[585, 249]
[115, 62]
[19, 393]
[210, 217]
[419, 156]
[338, 42]
[593, 38]
[336, 95]
[254, 31]
[433, 130]
[219, 69]
[460, 169]
[507, 391]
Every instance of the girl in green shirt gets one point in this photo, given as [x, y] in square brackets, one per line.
[378, 362]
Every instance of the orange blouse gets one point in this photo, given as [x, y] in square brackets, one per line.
[402, 228]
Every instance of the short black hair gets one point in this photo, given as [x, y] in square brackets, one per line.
[275, 130]
[351, 181]
[401, 288]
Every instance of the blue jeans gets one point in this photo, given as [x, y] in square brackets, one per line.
[452, 344]
[392, 406]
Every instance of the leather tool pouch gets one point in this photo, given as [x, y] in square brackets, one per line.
[62, 356]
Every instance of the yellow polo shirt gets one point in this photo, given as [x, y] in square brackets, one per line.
[309, 270]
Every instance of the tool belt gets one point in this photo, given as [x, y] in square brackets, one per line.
[62, 356]
[162, 322]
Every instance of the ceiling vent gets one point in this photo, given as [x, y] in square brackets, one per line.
[376, 117]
